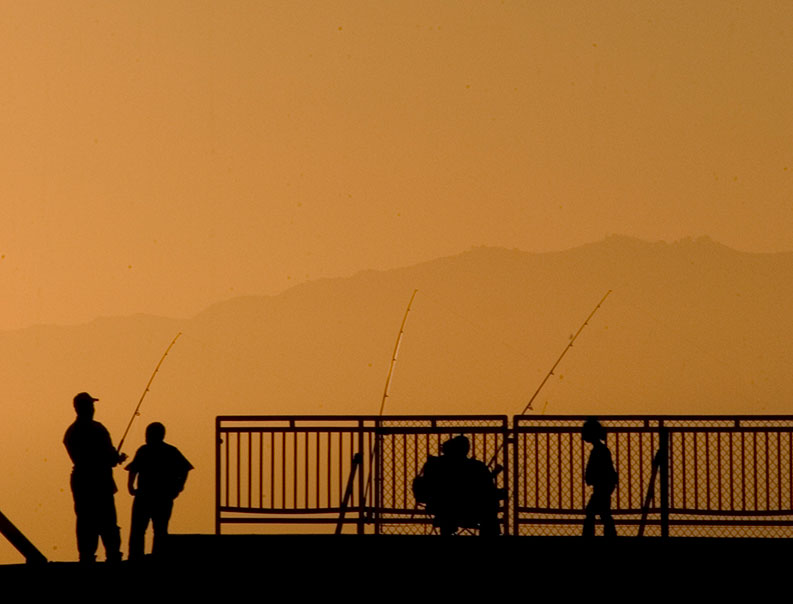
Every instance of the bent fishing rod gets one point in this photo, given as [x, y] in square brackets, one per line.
[387, 384]
[550, 373]
[136, 413]
[564, 352]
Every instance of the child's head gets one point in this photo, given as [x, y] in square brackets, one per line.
[593, 431]
[155, 433]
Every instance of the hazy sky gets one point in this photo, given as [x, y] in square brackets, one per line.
[160, 156]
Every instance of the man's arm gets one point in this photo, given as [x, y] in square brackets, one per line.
[131, 483]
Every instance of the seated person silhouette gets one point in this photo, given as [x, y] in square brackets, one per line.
[459, 491]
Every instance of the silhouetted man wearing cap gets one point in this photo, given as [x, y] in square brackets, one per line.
[92, 452]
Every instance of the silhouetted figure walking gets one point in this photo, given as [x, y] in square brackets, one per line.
[602, 477]
[161, 471]
[459, 491]
[93, 455]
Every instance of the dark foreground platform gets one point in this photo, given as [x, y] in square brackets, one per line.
[423, 568]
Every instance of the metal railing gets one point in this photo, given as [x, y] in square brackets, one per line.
[725, 476]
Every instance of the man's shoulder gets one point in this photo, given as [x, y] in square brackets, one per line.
[176, 454]
[84, 428]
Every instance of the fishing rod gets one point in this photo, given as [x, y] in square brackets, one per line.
[564, 352]
[142, 396]
[396, 352]
[387, 384]
[550, 373]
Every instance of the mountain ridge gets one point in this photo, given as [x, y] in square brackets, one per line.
[693, 327]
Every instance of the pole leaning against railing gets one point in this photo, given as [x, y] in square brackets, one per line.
[660, 468]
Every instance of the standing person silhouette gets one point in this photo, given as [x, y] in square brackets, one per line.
[601, 476]
[93, 488]
[161, 471]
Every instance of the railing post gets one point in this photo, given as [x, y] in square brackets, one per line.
[378, 475]
[516, 466]
[663, 450]
[506, 434]
[217, 475]
[361, 482]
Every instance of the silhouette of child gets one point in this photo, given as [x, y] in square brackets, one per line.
[161, 471]
[602, 477]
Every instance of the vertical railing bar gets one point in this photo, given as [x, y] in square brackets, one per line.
[404, 471]
[743, 470]
[559, 465]
[707, 469]
[666, 496]
[392, 447]
[617, 461]
[378, 462]
[295, 470]
[581, 449]
[652, 454]
[630, 468]
[695, 444]
[415, 454]
[261, 469]
[362, 474]
[238, 469]
[329, 488]
[524, 443]
[341, 467]
[250, 470]
[754, 464]
[272, 469]
[778, 471]
[790, 468]
[718, 466]
[670, 444]
[767, 474]
[218, 470]
[351, 452]
[684, 485]
[548, 470]
[306, 456]
[284, 478]
[318, 466]
[641, 463]
[570, 447]
[536, 437]
[732, 506]
[228, 468]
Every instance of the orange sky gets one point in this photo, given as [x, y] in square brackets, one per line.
[160, 156]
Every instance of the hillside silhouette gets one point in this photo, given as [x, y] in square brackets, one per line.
[691, 327]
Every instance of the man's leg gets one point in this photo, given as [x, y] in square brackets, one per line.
[604, 511]
[589, 520]
[161, 515]
[86, 525]
[109, 530]
[137, 529]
